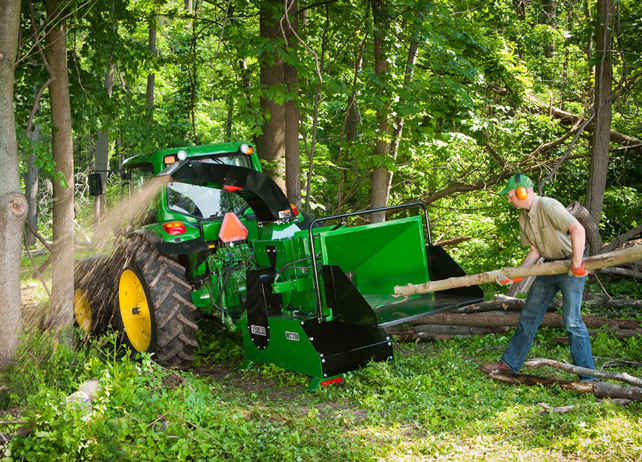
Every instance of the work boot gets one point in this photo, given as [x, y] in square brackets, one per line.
[499, 366]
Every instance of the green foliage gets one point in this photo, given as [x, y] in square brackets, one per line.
[432, 401]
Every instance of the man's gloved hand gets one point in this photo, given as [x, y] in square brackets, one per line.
[504, 280]
[579, 272]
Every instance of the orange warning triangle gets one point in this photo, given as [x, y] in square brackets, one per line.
[232, 229]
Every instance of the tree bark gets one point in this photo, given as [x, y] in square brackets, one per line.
[557, 267]
[31, 183]
[61, 313]
[381, 176]
[602, 107]
[13, 206]
[270, 145]
[593, 236]
[291, 112]
[151, 77]
[507, 319]
[550, 18]
[101, 156]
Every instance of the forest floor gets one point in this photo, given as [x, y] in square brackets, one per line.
[431, 403]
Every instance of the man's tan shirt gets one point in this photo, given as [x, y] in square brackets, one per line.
[545, 227]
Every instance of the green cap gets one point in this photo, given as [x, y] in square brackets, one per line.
[515, 182]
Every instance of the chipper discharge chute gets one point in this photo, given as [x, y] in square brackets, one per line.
[224, 241]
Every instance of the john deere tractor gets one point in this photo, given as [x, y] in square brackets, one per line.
[312, 296]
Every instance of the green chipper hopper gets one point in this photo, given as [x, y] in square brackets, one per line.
[312, 296]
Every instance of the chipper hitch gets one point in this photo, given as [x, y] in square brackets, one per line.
[347, 302]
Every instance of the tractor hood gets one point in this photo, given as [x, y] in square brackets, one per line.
[260, 192]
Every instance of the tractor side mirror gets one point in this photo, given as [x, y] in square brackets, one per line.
[95, 184]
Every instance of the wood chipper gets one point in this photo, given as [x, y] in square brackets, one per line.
[312, 296]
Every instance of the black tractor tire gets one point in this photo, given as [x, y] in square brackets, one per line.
[93, 294]
[154, 303]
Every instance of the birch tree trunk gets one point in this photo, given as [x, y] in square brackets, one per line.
[62, 143]
[13, 206]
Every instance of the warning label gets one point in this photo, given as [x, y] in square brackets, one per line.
[292, 336]
[258, 330]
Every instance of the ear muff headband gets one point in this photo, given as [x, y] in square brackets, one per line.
[521, 192]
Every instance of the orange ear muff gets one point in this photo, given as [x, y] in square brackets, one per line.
[521, 193]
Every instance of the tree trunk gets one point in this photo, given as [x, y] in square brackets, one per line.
[602, 107]
[381, 176]
[151, 78]
[13, 206]
[62, 144]
[550, 18]
[31, 183]
[101, 163]
[270, 145]
[291, 114]
[101, 156]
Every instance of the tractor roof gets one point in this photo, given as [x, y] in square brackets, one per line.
[156, 158]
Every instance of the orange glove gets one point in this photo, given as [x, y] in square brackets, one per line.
[504, 280]
[578, 272]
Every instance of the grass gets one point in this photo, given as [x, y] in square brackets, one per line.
[432, 403]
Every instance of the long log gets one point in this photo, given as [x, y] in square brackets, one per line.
[614, 258]
[507, 319]
[621, 334]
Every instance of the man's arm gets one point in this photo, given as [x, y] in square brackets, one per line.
[578, 240]
[532, 257]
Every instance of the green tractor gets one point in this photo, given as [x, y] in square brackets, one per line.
[309, 295]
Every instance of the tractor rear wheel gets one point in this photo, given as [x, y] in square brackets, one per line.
[154, 312]
[93, 297]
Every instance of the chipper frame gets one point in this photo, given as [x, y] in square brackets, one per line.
[311, 299]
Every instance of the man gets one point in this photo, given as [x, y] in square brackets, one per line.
[553, 233]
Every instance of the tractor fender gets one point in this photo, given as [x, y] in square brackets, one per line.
[171, 248]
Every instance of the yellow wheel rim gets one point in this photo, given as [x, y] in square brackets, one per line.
[134, 310]
[82, 310]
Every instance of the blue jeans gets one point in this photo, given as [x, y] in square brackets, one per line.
[539, 298]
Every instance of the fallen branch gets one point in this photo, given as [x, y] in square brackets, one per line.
[607, 303]
[617, 334]
[622, 239]
[507, 319]
[621, 377]
[614, 258]
[517, 378]
[599, 389]
[633, 274]
[555, 410]
[453, 241]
